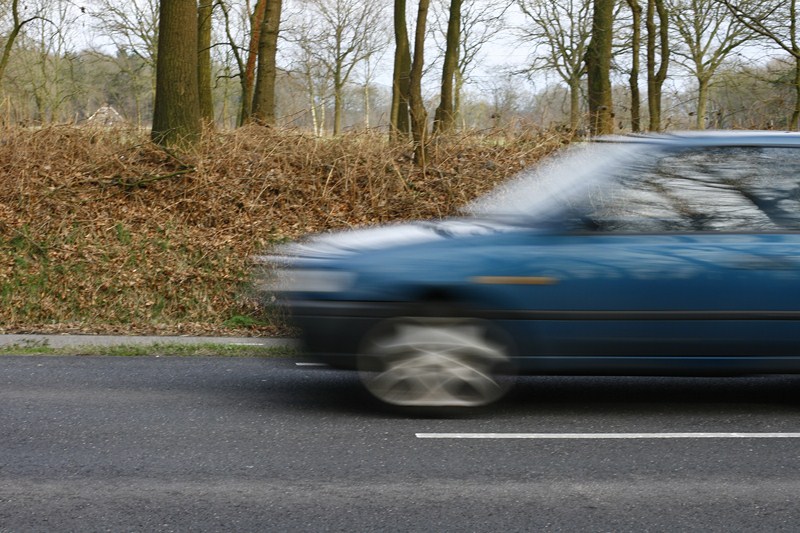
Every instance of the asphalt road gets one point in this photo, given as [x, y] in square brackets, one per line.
[225, 444]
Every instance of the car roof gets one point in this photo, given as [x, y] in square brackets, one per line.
[709, 138]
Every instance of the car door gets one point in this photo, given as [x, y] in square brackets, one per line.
[687, 260]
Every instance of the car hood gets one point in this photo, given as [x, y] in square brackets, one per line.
[348, 243]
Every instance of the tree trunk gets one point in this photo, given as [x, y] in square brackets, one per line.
[656, 78]
[653, 107]
[663, 35]
[419, 117]
[598, 68]
[249, 74]
[16, 28]
[321, 119]
[795, 125]
[367, 106]
[338, 101]
[702, 102]
[176, 113]
[225, 96]
[444, 118]
[399, 120]
[633, 79]
[457, 98]
[575, 103]
[264, 97]
[204, 61]
[312, 101]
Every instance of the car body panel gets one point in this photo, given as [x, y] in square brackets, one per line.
[578, 301]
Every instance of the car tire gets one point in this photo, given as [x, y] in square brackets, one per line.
[434, 362]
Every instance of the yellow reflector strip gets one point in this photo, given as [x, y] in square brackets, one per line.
[514, 280]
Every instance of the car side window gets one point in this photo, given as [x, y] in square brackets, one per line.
[724, 189]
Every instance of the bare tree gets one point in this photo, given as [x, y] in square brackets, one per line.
[598, 68]
[775, 21]
[176, 114]
[752, 95]
[204, 12]
[18, 21]
[399, 118]
[44, 70]
[559, 33]
[264, 95]
[708, 35]
[633, 79]
[340, 35]
[444, 118]
[657, 45]
[51, 76]
[314, 76]
[248, 72]
[505, 99]
[131, 26]
[369, 70]
[419, 116]
[481, 21]
[237, 25]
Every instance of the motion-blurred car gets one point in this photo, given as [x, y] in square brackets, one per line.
[640, 255]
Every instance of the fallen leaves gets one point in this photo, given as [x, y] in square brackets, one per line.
[111, 234]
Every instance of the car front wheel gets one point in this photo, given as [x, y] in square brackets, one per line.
[435, 362]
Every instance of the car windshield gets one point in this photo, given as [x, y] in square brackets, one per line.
[552, 187]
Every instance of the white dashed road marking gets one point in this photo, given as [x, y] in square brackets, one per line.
[578, 436]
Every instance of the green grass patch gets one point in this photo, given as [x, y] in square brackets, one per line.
[242, 321]
[156, 349]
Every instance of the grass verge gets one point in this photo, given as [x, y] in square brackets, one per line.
[155, 349]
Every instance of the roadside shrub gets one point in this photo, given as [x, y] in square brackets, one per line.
[102, 231]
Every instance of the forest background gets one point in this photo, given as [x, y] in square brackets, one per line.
[149, 149]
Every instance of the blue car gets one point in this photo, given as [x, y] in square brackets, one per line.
[637, 255]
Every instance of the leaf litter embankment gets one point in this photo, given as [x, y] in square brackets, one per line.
[103, 232]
